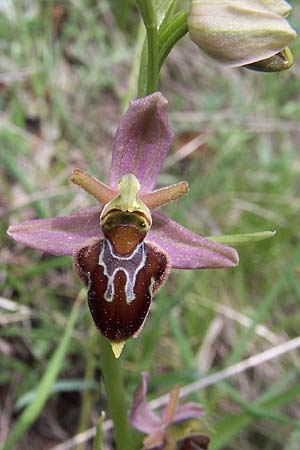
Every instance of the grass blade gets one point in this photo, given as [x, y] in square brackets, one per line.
[97, 445]
[44, 388]
[227, 428]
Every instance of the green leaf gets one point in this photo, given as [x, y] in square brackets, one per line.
[43, 389]
[59, 386]
[238, 239]
[97, 445]
[172, 29]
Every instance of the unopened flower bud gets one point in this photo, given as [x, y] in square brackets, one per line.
[240, 32]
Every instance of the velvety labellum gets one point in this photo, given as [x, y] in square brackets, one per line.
[120, 288]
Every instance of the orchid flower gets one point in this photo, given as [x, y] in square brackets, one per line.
[123, 250]
[174, 428]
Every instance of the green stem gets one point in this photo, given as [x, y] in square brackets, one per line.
[170, 34]
[160, 46]
[149, 18]
[114, 387]
[88, 397]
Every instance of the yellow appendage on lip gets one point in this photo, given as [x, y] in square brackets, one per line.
[117, 348]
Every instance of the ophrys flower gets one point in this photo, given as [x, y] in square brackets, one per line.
[176, 428]
[123, 250]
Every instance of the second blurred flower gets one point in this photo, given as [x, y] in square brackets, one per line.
[240, 32]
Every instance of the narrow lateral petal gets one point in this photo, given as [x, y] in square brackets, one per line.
[163, 196]
[100, 191]
[141, 415]
[186, 249]
[170, 409]
[188, 410]
[142, 141]
[59, 235]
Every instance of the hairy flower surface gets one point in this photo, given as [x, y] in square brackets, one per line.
[242, 32]
[173, 428]
[123, 250]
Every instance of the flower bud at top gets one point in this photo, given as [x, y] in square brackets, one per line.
[240, 32]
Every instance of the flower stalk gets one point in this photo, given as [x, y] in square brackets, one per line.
[87, 398]
[115, 391]
[149, 18]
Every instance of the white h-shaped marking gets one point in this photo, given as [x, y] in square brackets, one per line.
[130, 265]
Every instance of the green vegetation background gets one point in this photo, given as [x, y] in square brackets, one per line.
[65, 71]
